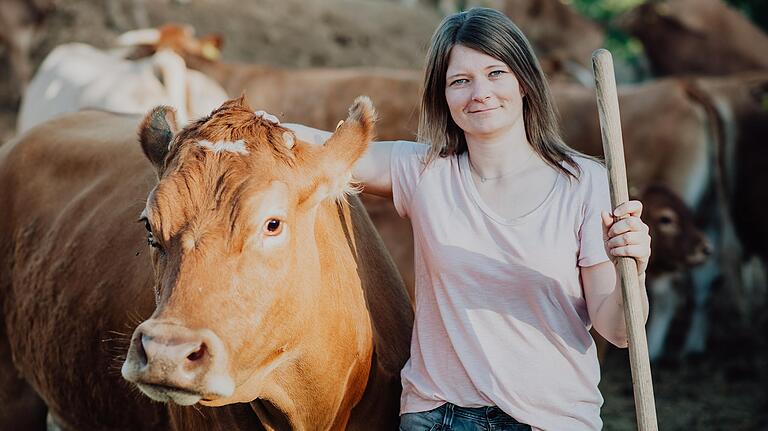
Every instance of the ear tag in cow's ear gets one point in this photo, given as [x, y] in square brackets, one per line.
[288, 140]
[210, 52]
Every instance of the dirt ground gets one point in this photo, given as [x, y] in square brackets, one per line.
[723, 390]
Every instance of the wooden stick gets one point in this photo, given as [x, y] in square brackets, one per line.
[610, 125]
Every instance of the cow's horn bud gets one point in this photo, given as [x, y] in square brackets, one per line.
[288, 140]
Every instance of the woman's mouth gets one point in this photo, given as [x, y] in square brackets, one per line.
[480, 111]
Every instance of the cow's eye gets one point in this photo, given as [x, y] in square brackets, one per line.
[273, 227]
[150, 236]
[665, 220]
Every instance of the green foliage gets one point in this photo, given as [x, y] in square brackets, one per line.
[756, 10]
[603, 10]
[622, 46]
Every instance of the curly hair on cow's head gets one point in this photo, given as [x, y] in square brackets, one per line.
[235, 121]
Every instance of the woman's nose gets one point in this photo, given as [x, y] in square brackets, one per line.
[480, 91]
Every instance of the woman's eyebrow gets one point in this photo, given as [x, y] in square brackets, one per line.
[455, 75]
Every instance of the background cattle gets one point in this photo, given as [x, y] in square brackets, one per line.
[705, 37]
[563, 39]
[739, 102]
[308, 322]
[77, 76]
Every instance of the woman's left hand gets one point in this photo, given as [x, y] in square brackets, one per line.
[625, 234]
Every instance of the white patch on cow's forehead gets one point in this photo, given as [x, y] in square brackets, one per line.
[224, 146]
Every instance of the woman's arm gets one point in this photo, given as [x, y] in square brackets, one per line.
[371, 170]
[601, 282]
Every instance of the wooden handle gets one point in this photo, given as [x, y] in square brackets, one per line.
[610, 125]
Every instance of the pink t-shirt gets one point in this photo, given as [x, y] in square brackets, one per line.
[501, 317]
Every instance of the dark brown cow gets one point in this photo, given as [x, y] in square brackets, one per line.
[704, 37]
[669, 138]
[677, 245]
[564, 39]
[272, 299]
[741, 104]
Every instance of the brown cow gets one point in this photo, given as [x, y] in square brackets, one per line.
[704, 37]
[564, 39]
[310, 96]
[677, 245]
[290, 305]
[669, 138]
[741, 104]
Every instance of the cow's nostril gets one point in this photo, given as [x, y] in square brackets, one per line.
[141, 354]
[197, 354]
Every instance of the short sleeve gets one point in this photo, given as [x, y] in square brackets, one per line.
[597, 198]
[406, 166]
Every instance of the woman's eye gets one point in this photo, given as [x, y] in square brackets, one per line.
[496, 73]
[273, 227]
[458, 82]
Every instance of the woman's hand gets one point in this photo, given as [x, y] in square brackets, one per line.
[625, 234]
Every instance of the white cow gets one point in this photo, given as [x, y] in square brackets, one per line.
[77, 76]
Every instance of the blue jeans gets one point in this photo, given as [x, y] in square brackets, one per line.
[449, 417]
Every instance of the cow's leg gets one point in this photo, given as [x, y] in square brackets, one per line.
[703, 277]
[755, 279]
[20, 406]
[51, 423]
[725, 264]
[664, 303]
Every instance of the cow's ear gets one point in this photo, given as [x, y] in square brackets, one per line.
[333, 178]
[156, 132]
[210, 46]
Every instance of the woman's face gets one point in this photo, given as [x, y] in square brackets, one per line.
[482, 93]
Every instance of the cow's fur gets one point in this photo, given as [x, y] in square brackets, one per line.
[75, 275]
[704, 37]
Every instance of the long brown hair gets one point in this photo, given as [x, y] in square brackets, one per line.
[492, 33]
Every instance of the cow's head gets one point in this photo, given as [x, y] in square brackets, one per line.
[677, 242]
[176, 37]
[231, 226]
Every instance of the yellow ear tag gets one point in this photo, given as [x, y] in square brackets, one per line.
[210, 52]
[339, 125]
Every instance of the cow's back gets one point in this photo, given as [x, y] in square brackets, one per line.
[75, 275]
[77, 76]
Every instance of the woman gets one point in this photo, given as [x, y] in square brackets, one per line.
[513, 242]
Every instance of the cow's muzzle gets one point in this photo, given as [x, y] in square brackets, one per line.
[172, 363]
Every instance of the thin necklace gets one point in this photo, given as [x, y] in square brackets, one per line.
[505, 174]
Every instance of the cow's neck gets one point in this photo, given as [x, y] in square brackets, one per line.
[391, 317]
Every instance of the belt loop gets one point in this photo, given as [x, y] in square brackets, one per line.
[448, 418]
